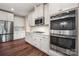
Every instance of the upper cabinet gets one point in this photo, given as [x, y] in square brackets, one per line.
[46, 13]
[54, 8]
[40, 10]
[35, 13]
[31, 18]
[58, 7]
[6, 16]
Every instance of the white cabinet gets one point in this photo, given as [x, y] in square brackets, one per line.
[36, 40]
[43, 11]
[31, 19]
[33, 39]
[58, 7]
[40, 10]
[35, 13]
[39, 41]
[54, 8]
[45, 44]
[46, 14]
[28, 38]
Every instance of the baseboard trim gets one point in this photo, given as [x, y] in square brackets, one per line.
[20, 38]
[13, 40]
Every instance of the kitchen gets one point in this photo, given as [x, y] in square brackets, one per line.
[50, 27]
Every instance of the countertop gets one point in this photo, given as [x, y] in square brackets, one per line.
[39, 33]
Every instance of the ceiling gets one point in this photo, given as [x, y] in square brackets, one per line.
[21, 9]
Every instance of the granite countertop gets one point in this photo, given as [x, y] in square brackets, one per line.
[40, 33]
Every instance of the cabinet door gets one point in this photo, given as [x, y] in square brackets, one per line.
[31, 39]
[54, 8]
[46, 14]
[27, 39]
[31, 19]
[37, 43]
[40, 10]
[36, 40]
[35, 12]
[45, 44]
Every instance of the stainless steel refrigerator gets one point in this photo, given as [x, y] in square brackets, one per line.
[6, 31]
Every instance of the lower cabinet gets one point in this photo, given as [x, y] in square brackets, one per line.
[39, 41]
[28, 38]
[45, 44]
[36, 40]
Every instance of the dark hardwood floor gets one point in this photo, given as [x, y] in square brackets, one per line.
[19, 48]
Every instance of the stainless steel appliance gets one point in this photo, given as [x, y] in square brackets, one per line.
[63, 32]
[39, 21]
[6, 30]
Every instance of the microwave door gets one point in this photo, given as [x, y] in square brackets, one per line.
[36, 22]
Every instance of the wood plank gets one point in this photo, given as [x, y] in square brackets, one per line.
[19, 48]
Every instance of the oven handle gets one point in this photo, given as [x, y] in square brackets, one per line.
[63, 17]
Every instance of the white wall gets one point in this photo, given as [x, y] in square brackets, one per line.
[19, 27]
[6, 16]
[18, 21]
[28, 28]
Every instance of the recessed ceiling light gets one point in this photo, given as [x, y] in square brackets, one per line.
[12, 9]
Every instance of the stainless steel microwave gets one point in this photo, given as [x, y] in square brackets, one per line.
[39, 21]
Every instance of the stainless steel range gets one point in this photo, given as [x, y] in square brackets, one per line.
[63, 32]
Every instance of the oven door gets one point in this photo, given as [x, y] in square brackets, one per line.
[66, 43]
[63, 24]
